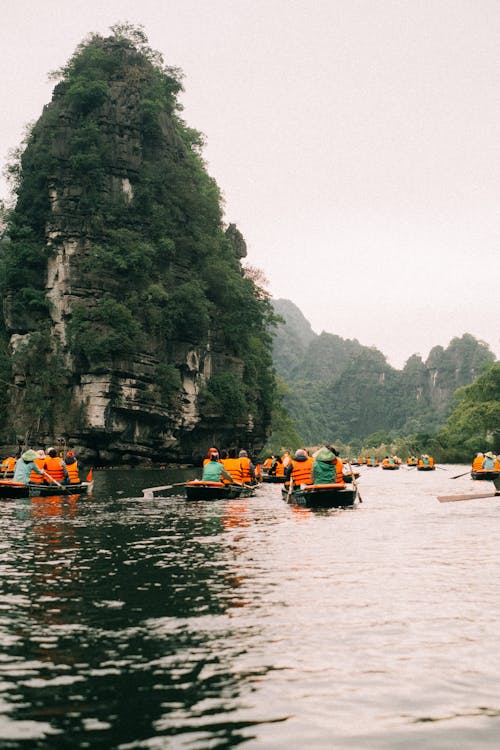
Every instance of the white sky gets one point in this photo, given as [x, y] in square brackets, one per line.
[356, 142]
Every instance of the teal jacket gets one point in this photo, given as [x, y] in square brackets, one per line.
[23, 470]
[212, 472]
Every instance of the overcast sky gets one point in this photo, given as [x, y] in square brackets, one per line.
[356, 143]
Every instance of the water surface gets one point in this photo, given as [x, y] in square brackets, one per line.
[130, 623]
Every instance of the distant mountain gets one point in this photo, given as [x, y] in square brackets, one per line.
[339, 389]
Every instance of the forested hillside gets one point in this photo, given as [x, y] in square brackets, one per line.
[341, 390]
[130, 327]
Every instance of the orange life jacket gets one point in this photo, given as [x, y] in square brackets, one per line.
[339, 470]
[34, 477]
[267, 463]
[246, 474]
[74, 477]
[301, 471]
[233, 467]
[477, 463]
[54, 466]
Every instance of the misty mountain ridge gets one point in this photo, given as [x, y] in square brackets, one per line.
[339, 386]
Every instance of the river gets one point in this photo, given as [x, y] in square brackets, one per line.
[129, 623]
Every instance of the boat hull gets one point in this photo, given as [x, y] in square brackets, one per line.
[272, 479]
[199, 490]
[322, 496]
[11, 490]
[485, 475]
[390, 467]
[426, 468]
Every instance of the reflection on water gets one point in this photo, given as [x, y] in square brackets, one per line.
[132, 623]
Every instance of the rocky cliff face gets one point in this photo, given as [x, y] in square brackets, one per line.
[121, 277]
[339, 389]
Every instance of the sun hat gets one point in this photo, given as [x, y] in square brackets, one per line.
[29, 455]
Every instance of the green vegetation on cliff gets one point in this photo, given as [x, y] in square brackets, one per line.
[112, 183]
[343, 391]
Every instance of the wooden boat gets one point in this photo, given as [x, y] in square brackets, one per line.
[335, 495]
[348, 477]
[197, 489]
[10, 489]
[390, 467]
[485, 475]
[425, 468]
[273, 479]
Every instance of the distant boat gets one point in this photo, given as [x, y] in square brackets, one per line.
[11, 490]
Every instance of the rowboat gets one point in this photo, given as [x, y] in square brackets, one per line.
[321, 495]
[198, 489]
[485, 475]
[348, 477]
[425, 468]
[273, 479]
[10, 489]
[390, 467]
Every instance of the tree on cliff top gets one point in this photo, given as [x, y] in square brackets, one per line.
[111, 166]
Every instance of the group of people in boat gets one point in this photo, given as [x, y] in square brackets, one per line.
[231, 466]
[40, 467]
[486, 461]
[323, 467]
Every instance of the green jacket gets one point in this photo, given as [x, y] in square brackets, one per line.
[324, 472]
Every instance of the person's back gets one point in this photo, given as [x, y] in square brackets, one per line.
[488, 461]
[247, 468]
[213, 471]
[300, 467]
[71, 464]
[35, 477]
[55, 466]
[477, 461]
[25, 466]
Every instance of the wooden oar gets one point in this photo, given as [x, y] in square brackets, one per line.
[148, 492]
[354, 481]
[53, 480]
[290, 489]
[461, 475]
[457, 498]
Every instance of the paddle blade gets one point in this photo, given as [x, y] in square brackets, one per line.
[457, 498]
[90, 476]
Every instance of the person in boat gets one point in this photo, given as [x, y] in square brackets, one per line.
[324, 468]
[213, 470]
[35, 477]
[247, 468]
[71, 464]
[8, 465]
[300, 467]
[338, 463]
[286, 458]
[209, 453]
[55, 466]
[267, 463]
[25, 466]
[477, 461]
[277, 469]
[232, 465]
[388, 461]
[488, 461]
[425, 460]
[496, 467]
